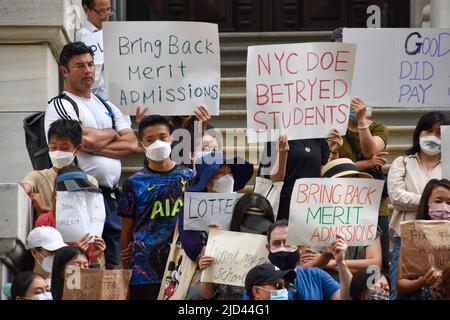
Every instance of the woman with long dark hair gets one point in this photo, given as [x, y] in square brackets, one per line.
[410, 173]
[64, 257]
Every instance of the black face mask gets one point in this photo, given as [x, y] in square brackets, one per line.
[285, 260]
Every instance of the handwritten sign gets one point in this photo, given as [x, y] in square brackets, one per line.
[402, 67]
[95, 41]
[322, 208]
[445, 151]
[169, 67]
[425, 244]
[78, 213]
[234, 254]
[92, 284]
[298, 89]
[204, 208]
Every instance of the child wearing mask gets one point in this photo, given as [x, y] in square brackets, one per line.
[434, 205]
[150, 203]
[64, 141]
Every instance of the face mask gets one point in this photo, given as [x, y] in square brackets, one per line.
[381, 295]
[224, 184]
[431, 145]
[61, 159]
[284, 260]
[352, 114]
[281, 294]
[439, 211]
[47, 263]
[158, 151]
[43, 296]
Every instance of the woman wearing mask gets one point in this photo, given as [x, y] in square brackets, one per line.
[67, 256]
[434, 205]
[252, 214]
[43, 242]
[408, 176]
[370, 284]
[215, 173]
[30, 286]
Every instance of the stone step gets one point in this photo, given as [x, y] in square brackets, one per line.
[244, 39]
[232, 85]
[407, 116]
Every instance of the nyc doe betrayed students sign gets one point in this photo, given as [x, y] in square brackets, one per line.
[299, 89]
[169, 67]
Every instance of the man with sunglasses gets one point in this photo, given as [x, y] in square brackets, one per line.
[97, 12]
[310, 283]
[267, 282]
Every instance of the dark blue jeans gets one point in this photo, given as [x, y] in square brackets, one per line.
[393, 268]
[113, 226]
[383, 223]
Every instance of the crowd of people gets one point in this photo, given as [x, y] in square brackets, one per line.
[86, 144]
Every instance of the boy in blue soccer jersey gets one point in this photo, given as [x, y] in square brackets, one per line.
[150, 202]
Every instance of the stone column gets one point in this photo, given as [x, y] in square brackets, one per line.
[32, 34]
[440, 14]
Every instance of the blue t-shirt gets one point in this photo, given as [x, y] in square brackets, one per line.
[315, 284]
[310, 284]
[154, 200]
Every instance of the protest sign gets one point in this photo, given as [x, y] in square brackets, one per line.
[299, 89]
[204, 208]
[234, 253]
[401, 67]
[425, 244]
[321, 208]
[95, 284]
[78, 213]
[445, 151]
[95, 41]
[169, 67]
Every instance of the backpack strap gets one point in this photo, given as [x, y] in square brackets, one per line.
[108, 107]
[59, 106]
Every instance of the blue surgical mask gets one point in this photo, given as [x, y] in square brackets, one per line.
[281, 294]
[43, 296]
[381, 295]
[430, 145]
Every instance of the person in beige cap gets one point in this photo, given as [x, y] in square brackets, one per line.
[357, 257]
[43, 243]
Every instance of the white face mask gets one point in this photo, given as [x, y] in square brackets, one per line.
[224, 184]
[430, 145]
[47, 263]
[61, 159]
[43, 296]
[158, 151]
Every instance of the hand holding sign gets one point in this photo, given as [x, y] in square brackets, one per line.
[205, 262]
[339, 247]
[430, 278]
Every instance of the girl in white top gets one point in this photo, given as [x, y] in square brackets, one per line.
[409, 174]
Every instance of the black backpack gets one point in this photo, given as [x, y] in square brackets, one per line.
[35, 135]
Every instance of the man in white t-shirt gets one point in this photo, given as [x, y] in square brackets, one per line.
[107, 134]
[97, 12]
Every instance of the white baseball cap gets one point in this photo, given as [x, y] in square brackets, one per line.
[46, 237]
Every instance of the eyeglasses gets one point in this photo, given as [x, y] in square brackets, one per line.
[103, 15]
[278, 286]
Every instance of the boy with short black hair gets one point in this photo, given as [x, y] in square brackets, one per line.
[64, 141]
[149, 204]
